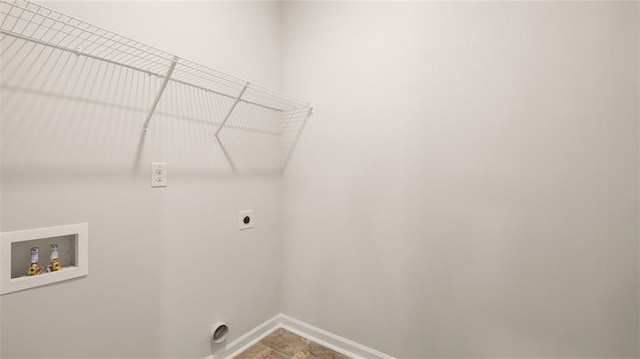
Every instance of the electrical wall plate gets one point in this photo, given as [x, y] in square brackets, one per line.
[158, 174]
[245, 219]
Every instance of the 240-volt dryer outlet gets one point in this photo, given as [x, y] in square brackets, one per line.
[245, 219]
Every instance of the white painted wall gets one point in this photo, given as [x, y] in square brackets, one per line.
[1, 106]
[469, 184]
[467, 188]
[165, 264]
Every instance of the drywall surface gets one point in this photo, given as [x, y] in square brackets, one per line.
[166, 263]
[1, 111]
[468, 186]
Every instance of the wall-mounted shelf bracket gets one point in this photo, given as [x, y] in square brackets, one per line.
[167, 77]
[233, 107]
[256, 127]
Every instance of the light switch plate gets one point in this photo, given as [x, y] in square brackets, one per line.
[245, 219]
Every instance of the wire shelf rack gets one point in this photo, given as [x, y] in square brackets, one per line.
[58, 55]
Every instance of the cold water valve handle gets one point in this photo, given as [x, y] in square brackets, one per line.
[55, 263]
[33, 268]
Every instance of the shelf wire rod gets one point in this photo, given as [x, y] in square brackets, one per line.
[91, 79]
[11, 6]
[295, 119]
[202, 102]
[300, 115]
[202, 81]
[280, 98]
[284, 128]
[209, 72]
[67, 79]
[102, 87]
[75, 52]
[125, 81]
[191, 110]
[56, 79]
[73, 36]
[145, 126]
[22, 37]
[198, 103]
[58, 21]
[100, 43]
[280, 95]
[13, 27]
[56, 94]
[188, 71]
[86, 79]
[295, 141]
[84, 40]
[131, 50]
[40, 68]
[118, 49]
[122, 47]
[209, 102]
[137, 91]
[50, 54]
[302, 109]
[25, 43]
[136, 58]
[273, 101]
[112, 38]
[226, 118]
[102, 47]
[40, 77]
[51, 78]
[206, 72]
[8, 15]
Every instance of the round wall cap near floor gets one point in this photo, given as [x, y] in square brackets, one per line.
[219, 332]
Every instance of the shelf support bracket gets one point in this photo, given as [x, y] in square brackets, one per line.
[167, 77]
[233, 107]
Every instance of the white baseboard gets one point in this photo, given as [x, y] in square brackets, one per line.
[330, 340]
[306, 330]
[247, 339]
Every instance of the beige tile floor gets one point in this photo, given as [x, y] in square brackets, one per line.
[282, 344]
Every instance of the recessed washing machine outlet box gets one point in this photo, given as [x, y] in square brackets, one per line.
[15, 256]
[245, 219]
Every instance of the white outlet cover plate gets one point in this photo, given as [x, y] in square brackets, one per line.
[158, 174]
[241, 217]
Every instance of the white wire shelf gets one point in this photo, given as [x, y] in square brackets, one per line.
[53, 54]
